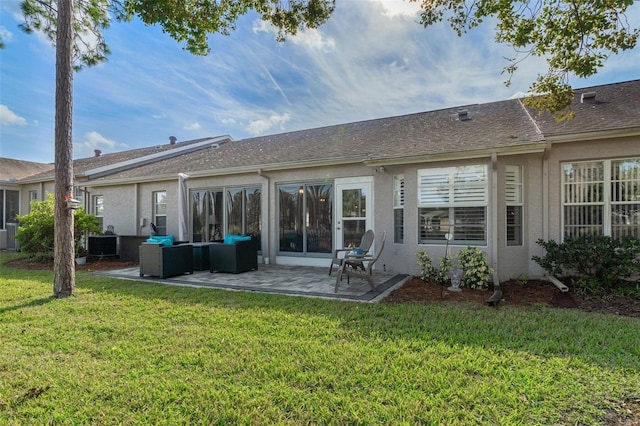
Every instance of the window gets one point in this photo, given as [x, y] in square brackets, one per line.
[98, 208]
[160, 212]
[33, 196]
[78, 194]
[453, 201]
[240, 210]
[9, 207]
[398, 209]
[306, 217]
[513, 199]
[601, 197]
[243, 211]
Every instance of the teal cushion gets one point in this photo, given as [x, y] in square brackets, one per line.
[232, 239]
[165, 240]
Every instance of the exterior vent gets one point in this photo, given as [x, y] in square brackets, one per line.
[463, 115]
[97, 152]
[588, 98]
[217, 145]
[172, 140]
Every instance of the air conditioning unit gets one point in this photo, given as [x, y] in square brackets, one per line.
[12, 230]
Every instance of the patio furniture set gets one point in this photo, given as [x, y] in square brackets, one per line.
[165, 259]
[161, 257]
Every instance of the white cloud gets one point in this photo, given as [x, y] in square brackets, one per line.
[401, 8]
[192, 126]
[259, 127]
[310, 38]
[313, 39]
[5, 34]
[228, 121]
[94, 140]
[8, 117]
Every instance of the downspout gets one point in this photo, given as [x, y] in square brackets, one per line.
[545, 191]
[266, 259]
[138, 225]
[494, 218]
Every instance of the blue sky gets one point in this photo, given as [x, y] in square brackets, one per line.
[371, 60]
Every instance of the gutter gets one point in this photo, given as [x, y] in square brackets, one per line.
[592, 135]
[494, 218]
[531, 148]
[553, 280]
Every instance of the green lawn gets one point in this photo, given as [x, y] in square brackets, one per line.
[126, 352]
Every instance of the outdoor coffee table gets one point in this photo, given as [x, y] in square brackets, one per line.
[201, 256]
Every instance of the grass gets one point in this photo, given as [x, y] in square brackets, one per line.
[126, 352]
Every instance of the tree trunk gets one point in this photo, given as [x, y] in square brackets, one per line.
[63, 267]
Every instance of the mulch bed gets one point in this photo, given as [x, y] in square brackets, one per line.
[514, 293]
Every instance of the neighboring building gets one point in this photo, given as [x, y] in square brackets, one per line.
[11, 171]
[494, 175]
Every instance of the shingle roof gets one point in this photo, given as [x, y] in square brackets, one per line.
[491, 125]
[616, 106]
[11, 169]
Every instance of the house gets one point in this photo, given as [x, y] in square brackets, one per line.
[495, 175]
[11, 171]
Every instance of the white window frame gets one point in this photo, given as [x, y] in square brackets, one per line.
[602, 188]
[454, 188]
[33, 196]
[97, 207]
[514, 198]
[160, 212]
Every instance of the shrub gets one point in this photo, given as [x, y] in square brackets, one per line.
[475, 265]
[35, 233]
[426, 267]
[472, 260]
[36, 230]
[428, 271]
[599, 260]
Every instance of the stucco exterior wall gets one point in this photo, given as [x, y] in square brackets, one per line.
[119, 204]
[41, 188]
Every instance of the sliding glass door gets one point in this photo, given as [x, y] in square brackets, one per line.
[305, 218]
[209, 221]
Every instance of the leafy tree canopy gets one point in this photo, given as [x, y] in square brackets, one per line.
[187, 21]
[575, 37]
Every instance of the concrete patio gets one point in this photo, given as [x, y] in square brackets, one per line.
[301, 281]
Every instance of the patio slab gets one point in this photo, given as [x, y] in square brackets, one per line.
[302, 281]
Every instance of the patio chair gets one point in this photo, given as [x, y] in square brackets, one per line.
[365, 244]
[234, 256]
[360, 266]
